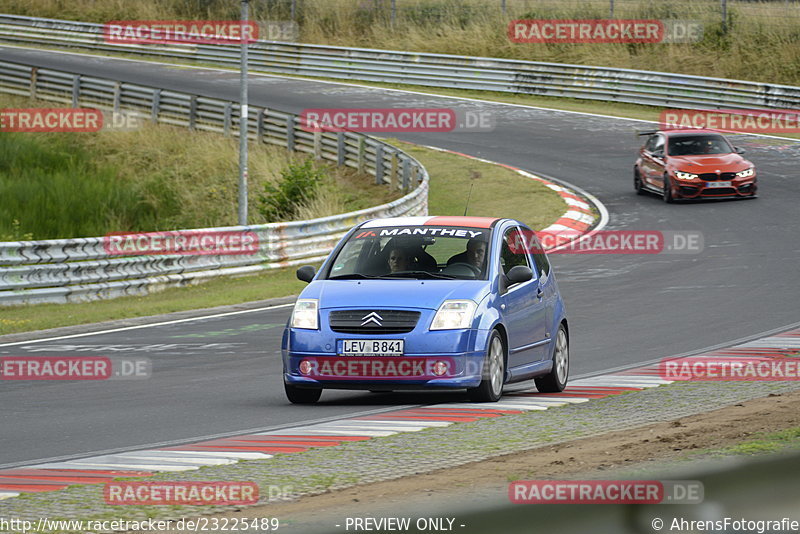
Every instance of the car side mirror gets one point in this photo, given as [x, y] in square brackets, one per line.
[738, 150]
[519, 274]
[306, 273]
[658, 154]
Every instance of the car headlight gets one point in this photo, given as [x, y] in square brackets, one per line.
[454, 314]
[305, 314]
[746, 173]
[680, 175]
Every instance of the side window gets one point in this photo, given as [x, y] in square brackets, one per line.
[651, 143]
[514, 250]
[659, 145]
[539, 257]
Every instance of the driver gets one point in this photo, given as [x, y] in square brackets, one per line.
[475, 254]
[399, 260]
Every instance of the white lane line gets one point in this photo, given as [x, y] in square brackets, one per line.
[8, 494]
[499, 405]
[109, 467]
[127, 460]
[396, 428]
[183, 460]
[218, 454]
[150, 325]
[545, 400]
[344, 432]
[773, 342]
[392, 422]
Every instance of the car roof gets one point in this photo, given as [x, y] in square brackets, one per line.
[689, 132]
[443, 220]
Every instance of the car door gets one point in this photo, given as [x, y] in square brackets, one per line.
[521, 307]
[653, 161]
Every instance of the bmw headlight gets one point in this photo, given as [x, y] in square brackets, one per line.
[305, 314]
[680, 175]
[746, 173]
[454, 315]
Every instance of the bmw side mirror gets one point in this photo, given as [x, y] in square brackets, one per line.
[519, 274]
[306, 273]
[738, 150]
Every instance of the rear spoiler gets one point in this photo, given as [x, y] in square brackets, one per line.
[647, 132]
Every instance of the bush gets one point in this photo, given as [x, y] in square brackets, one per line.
[299, 184]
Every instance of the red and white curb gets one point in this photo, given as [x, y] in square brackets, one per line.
[263, 445]
[573, 223]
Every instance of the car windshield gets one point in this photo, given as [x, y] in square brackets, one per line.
[413, 252]
[698, 145]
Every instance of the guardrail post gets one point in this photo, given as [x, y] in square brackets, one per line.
[155, 108]
[393, 173]
[361, 159]
[34, 79]
[414, 174]
[260, 125]
[406, 172]
[192, 112]
[340, 152]
[117, 96]
[318, 144]
[290, 133]
[226, 119]
[379, 165]
[76, 90]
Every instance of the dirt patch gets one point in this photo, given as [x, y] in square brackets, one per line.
[661, 441]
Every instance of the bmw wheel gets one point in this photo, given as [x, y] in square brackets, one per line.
[556, 380]
[494, 372]
[637, 181]
[667, 190]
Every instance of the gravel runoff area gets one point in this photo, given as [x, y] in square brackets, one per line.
[330, 468]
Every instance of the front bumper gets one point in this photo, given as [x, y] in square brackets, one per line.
[740, 188]
[447, 359]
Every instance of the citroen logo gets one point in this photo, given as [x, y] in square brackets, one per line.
[372, 318]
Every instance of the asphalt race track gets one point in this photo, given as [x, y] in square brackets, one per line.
[223, 375]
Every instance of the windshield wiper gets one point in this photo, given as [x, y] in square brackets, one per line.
[418, 274]
[354, 276]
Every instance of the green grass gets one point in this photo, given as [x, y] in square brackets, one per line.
[765, 443]
[759, 42]
[498, 192]
[159, 177]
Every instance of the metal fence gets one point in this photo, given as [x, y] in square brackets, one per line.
[433, 70]
[63, 270]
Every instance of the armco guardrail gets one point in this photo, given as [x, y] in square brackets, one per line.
[63, 270]
[436, 70]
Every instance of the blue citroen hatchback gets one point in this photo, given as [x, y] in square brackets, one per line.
[428, 303]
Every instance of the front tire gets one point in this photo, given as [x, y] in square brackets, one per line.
[494, 372]
[668, 190]
[556, 380]
[298, 395]
[637, 181]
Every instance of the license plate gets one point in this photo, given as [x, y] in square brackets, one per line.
[718, 184]
[372, 347]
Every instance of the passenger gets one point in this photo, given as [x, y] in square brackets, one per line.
[475, 254]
